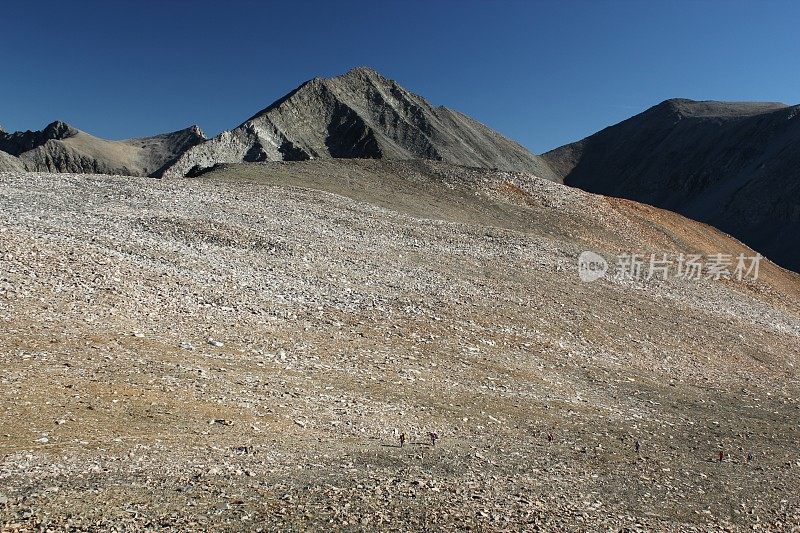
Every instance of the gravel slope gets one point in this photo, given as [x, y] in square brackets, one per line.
[239, 352]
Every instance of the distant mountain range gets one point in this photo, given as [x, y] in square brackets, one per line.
[360, 114]
[61, 148]
[735, 166]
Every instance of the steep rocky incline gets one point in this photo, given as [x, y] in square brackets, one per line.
[62, 148]
[9, 163]
[360, 114]
[735, 166]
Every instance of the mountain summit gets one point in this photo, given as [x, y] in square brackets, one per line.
[360, 114]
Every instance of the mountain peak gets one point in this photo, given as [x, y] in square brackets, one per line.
[355, 73]
[359, 114]
[355, 79]
[361, 72]
[59, 130]
[21, 141]
[194, 131]
[194, 128]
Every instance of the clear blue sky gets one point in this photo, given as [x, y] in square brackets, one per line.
[542, 73]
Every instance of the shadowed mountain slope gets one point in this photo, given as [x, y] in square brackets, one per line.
[735, 166]
[360, 114]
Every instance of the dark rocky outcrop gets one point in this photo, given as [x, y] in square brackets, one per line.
[21, 141]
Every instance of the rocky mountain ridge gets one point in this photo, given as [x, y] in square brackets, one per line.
[733, 165]
[60, 147]
[360, 114]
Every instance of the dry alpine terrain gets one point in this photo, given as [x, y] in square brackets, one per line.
[242, 351]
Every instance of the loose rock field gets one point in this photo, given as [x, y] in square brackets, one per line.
[241, 352]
